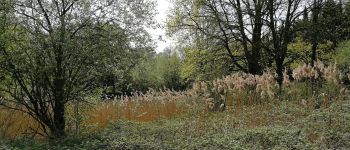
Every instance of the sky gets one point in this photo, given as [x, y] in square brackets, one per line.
[163, 7]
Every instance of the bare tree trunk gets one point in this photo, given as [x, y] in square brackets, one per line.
[279, 71]
[315, 22]
[282, 37]
[253, 55]
[254, 66]
[59, 121]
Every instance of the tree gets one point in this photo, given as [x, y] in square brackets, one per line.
[332, 19]
[5, 15]
[158, 71]
[55, 50]
[231, 25]
[281, 30]
[255, 11]
[204, 65]
[346, 23]
[325, 26]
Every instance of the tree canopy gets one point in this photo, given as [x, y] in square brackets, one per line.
[53, 51]
[257, 35]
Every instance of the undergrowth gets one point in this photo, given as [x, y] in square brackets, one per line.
[287, 126]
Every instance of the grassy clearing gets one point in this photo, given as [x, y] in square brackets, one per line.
[240, 111]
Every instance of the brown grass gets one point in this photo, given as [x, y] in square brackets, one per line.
[144, 111]
[14, 124]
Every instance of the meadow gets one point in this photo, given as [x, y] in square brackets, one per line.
[240, 111]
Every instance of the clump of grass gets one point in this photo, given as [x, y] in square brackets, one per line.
[139, 107]
[15, 124]
[238, 90]
[319, 83]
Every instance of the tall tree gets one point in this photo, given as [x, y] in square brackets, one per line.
[254, 10]
[315, 28]
[53, 52]
[346, 23]
[232, 25]
[281, 30]
[332, 19]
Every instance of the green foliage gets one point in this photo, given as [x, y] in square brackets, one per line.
[210, 28]
[342, 55]
[159, 71]
[346, 25]
[171, 71]
[55, 52]
[300, 50]
[332, 19]
[203, 65]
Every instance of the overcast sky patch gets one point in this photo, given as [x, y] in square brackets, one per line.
[159, 33]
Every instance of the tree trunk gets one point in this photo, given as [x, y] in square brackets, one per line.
[253, 61]
[315, 28]
[58, 129]
[253, 55]
[253, 65]
[59, 83]
[314, 51]
[59, 100]
[279, 71]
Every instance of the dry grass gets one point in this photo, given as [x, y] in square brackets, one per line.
[144, 111]
[140, 107]
[14, 124]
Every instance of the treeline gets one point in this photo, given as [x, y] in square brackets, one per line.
[157, 71]
[224, 36]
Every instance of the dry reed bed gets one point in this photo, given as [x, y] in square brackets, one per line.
[143, 111]
[15, 123]
[238, 90]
